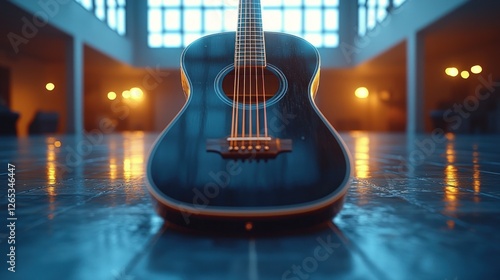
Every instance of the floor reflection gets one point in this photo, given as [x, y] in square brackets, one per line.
[134, 153]
[133, 158]
[89, 214]
[309, 255]
[450, 179]
[476, 174]
[361, 155]
[51, 145]
[113, 161]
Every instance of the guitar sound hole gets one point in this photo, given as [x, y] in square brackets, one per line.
[254, 85]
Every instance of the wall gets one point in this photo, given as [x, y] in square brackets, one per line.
[71, 18]
[169, 57]
[28, 94]
[412, 17]
[338, 103]
[335, 95]
[442, 91]
[124, 114]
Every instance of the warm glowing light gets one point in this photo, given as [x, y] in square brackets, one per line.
[248, 226]
[450, 224]
[361, 162]
[451, 189]
[113, 168]
[136, 93]
[111, 95]
[465, 74]
[126, 94]
[451, 71]
[362, 157]
[51, 165]
[385, 95]
[362, 92]
[476, 69]
[57, 144]
[476, 175]
[450, 136]
[133, 162]
[50, 86]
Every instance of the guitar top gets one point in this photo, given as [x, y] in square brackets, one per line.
[249, 149]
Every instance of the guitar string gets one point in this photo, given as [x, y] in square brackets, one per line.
[253, 45]
[257, 115]
[245, 31]
[235, 117]
[263, 42]
[245, 27]
[264, 102]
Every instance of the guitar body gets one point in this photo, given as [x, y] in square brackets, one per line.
[194, 187]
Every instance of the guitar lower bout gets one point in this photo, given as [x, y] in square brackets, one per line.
[250, 150]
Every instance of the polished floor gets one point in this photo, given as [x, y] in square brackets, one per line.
[420, 208]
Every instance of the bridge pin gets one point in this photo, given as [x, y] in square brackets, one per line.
[250, 147]
[266, 148]
[258, 147]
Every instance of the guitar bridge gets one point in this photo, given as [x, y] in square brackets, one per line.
[249, 147]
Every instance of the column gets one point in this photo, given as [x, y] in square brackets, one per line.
[74, 86]
[415, 84]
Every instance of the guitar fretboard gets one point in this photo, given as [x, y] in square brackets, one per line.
[250, 48]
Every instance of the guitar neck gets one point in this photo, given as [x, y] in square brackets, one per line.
[250, 47]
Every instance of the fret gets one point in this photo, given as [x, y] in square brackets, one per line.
[251, 38]
[249, 54]
[243, 52]
[253, 22]
[248, 30]
[252, 58]
[250, 35]
[243, 39]
[249, 51]
[250, 48]
[256, 58]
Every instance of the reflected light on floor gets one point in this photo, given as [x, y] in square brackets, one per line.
[450, 179]
[113, 169]
[361, 155]
[476, 175]
[133, 163]
[51, 164]
[133, 160]
[361, 162]
[52, 144]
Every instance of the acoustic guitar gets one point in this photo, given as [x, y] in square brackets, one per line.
[250, 149]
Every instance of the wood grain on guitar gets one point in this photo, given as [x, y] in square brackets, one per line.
[250, 145]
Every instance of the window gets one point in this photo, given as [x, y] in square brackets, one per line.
[176, 23]
[372, 12]
[110, 11]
